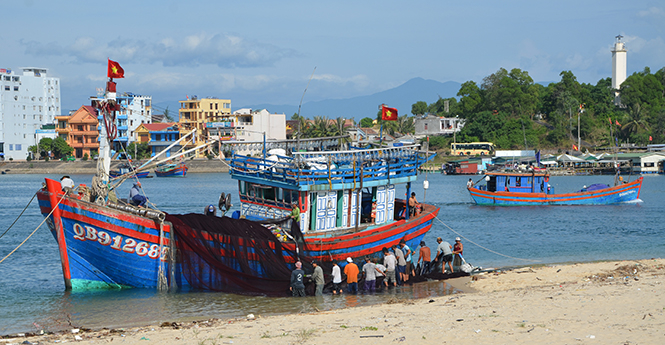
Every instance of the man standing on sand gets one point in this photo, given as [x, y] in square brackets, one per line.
[297, 283]
[426, 256]
[351, 271]
[390, 262]
[446, 251]
[317, 277]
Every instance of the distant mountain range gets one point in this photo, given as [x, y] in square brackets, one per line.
[401, 97]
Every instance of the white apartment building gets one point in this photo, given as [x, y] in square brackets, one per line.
[251, 124]
[27, 101]
[136, 109]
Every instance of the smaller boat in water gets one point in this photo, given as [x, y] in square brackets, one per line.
[173, 169]
[126, 168]
[520, 188]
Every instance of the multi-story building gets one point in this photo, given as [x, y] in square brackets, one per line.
[135, 110]
[252, 124]
[27, 101]
[80, 131]
[159, 136]
[430, 124]
[199, 113]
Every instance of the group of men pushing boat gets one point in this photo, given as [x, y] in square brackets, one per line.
[398, 268]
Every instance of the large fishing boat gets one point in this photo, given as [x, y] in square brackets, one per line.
[527, 188]
[128, 168]
[346, 200]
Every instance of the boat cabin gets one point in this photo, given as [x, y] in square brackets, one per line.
[334, 190]
[536, 182]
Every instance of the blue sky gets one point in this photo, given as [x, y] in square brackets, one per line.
[255, 52]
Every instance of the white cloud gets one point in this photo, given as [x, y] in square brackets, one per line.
[223, 50]
[652, 12]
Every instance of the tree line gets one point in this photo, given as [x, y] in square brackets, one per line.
[513, 112]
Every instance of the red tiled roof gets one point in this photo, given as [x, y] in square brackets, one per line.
[157, 126]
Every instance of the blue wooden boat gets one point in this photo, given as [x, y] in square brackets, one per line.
[123, 169]
[346, 201]
[515, 188]
[169, 170]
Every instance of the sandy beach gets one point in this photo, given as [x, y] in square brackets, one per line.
[619, 302]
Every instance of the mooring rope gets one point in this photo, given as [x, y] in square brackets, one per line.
[39, 226]
[19, 216]
[487, 249]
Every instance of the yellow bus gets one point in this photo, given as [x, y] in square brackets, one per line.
[472, 149]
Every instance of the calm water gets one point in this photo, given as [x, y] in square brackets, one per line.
[32, 292]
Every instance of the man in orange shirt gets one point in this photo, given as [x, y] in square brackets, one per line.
[351, 271]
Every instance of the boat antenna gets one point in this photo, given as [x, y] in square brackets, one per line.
[300, 105]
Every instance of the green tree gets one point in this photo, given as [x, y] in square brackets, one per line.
[167, 114]
[366, 122]
[60, 148]
[142, 150]
[45, 145]
[471, 98]
[405, 125]
[419, 108]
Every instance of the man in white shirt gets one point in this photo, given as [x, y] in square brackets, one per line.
[390, 262]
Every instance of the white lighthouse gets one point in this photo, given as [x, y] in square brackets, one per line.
[618, 67]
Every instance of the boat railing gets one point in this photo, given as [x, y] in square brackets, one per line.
[313, 168]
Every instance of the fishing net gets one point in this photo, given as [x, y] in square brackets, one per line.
[234, 255]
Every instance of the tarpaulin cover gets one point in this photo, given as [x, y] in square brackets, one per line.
[232, 255]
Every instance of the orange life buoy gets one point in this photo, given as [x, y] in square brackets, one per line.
[547, 178]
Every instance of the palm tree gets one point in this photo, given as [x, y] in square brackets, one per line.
[637, 120]
[405, 125]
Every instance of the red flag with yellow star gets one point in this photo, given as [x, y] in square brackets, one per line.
[115, 71]
[388, 114]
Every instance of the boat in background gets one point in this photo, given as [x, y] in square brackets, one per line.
[172, 169]
[126, 168]
[529, 188]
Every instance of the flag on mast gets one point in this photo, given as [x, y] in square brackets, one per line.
[388, 114]
[114, 70]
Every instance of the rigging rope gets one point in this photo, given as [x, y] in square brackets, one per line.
[487, 249]
[19, 216]
[39, 226]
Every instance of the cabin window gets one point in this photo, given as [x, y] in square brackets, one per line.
[269, 194]
[529, 181]
[648, 165]
[518, 181]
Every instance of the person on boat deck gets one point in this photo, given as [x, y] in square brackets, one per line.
[210, 210]
[390, 262]
[295, 212]
[445, 250]
[373, 215]
[297, 281]
[317, 277]
[469, 184]
[135, 197]
[458, 248]
[425, 254]
[336, 278]
[413, 204]
[351, 271]
[401, 264]
[66, 182]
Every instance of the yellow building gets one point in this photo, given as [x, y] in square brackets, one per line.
[198, 113]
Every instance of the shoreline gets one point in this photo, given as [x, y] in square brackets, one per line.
[203, 165]
[597, 302]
